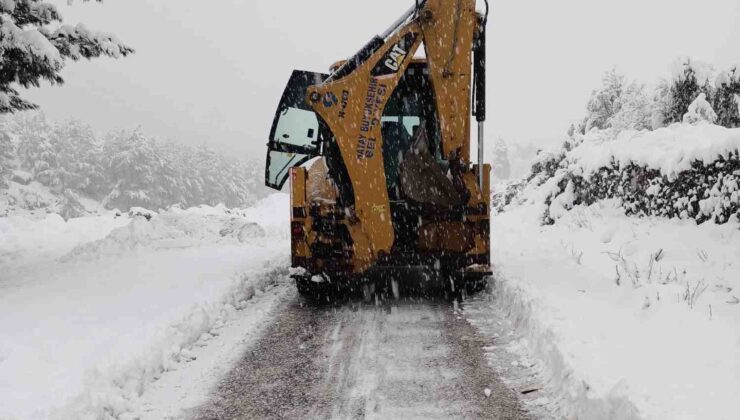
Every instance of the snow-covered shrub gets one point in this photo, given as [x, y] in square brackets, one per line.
[700, 111]
[504, 196]
[543, 167]
[71, 206]
[698, 179]
[141, 212]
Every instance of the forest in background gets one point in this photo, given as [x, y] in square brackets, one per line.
[121, 169]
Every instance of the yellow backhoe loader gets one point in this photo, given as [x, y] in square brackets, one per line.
[378, 157]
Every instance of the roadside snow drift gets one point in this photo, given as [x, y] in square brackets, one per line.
[623, 317]
[85, 329]
[682, 171]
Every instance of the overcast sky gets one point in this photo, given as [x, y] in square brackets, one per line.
[212, 71]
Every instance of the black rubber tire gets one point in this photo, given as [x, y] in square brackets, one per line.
[476, 286]
[318, 292]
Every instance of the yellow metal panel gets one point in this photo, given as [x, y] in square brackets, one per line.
[299, 246]
[297, 187]
[448, 27]
[352, 107]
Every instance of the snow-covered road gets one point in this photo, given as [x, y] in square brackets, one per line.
[413, 359]
[104, 308]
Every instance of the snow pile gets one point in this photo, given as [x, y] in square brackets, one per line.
[90, 332]
[683, 171]
[23, 196]
[670, 150]
[620, 318]
[49, 236]
[195, 227]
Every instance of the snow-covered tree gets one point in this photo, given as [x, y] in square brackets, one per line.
[618, 104]
[7, 156]
[131, 162]
[36, 148]
[690, 78]
[29, 128]
[634, 109]
[700, 111]
[662, 104]
[79, 157]
[501, 164]
[35, 45]
[725, 103]
[123, 169]
[605, 101]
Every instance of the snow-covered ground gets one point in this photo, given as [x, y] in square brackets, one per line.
[94, 310]
[620, 317]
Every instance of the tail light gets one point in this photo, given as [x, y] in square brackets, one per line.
[296, 230]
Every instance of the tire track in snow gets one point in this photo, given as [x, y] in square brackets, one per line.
[414, 359]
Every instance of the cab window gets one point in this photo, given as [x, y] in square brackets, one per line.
[296, 133]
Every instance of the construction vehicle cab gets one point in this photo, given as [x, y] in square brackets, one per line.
[378, 155]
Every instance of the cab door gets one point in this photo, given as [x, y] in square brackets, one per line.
[297, 134]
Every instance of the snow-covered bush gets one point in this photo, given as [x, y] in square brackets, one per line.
[141, 212]
[682, 171]
[700, 111]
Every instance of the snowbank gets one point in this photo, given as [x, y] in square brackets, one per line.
[85, 335]
[670, 150]
[624, 318]
[682, 171]
[49, 236]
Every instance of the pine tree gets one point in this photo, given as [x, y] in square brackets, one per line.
[36, 148]
[662, 105]
[35, 45]
[131, 162]
[124, 169]
[7, 156]
[29, 128]
[605, 101]
[79, 157]
[725, 102]
[691, 78]
[501, 164]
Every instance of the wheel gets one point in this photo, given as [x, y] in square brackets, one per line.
[316, 292]
[476, 286]
[395, 289]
